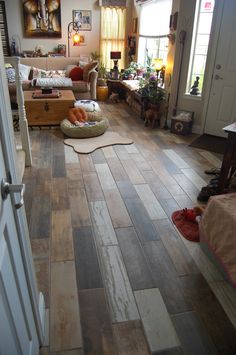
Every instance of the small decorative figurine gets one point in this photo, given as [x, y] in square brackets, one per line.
[194, 89]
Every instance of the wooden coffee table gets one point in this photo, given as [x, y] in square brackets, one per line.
[48, 111]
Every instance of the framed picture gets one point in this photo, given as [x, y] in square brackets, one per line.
[84, 17]
[46, 22]
[61, 49]
[82, 40]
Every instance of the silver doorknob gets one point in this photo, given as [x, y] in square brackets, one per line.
[7, 188]
[217, 77]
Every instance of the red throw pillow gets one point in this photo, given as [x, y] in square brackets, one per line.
[76, 74]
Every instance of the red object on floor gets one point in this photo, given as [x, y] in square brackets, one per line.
[188, 228]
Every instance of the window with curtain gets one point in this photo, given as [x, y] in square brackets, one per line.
[113, 24]
[200, 40]
[153, 30]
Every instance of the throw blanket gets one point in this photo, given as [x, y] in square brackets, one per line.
[55, 82]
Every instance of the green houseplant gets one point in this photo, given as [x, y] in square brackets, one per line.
[150, 90]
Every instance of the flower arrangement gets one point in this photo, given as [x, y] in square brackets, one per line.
[149, 89]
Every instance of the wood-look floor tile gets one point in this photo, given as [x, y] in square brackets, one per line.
[60, 200]
[179, 254]
[80, 214]
[66, 352]
[62, 240]
[70, 155]
[74, 176]
[86, 262]
[118, 212]
[42, 272]
[120, 295]
[157, 323]
[58, 166]
[41, 211]
[210, 312]
[65, 330]
[165, 177]
[117, 169]
[136, 264]
[130, 338]
[166, 278]
[105, 177]
[86, 163]
[96, 323]
[102, 225]
[40, 248]
[141, 221]
[133, 172]
[194, 178]
[153, 207]
[92, 187]
[169, 206]
[127, 189]
[121, 152]
[193, 335]
[109, 152]
[211, 158]
[98, 157]
[177, 160]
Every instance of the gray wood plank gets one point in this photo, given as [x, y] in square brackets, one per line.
[158, 327]
[136, 264]
[120, 295]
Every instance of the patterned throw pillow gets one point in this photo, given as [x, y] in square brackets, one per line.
[11, 75]
[87, 70]
[55, 74]
[38, 73]
[76, 74]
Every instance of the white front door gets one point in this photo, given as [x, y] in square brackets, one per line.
[21, 329]
[222, 100]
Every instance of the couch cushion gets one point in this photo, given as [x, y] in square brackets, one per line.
[76, 74]
[88, 68]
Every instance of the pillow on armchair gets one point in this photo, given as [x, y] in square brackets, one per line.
[88, 68]
[76, 74]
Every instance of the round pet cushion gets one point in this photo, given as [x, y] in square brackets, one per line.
[73, 131]
[88, 105]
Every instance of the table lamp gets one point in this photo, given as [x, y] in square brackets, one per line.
[115, 56]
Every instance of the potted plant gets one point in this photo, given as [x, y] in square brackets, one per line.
[154, 95]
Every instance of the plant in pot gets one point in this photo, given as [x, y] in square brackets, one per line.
[154, 95]
[102, 74]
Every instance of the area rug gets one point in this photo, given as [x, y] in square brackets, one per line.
[188, 229]
[89, 145]
[211, 143]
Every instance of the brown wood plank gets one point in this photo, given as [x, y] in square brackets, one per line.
[65, 330]
[192, 334]
[58, 166]
[80, 214]
[60, 200]
[96, 323]
[130, 338]
[74, 176]
[86, 262]
[118, 212]
[92, 187]
[136, 264]
[180, 256]
[142, 223]
[117, 169]
[62, 240]
[132, 171]
[41, 211]
[165, 277]
[42, 271]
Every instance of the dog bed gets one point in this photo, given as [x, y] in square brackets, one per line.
[87, 131]
[88, 105]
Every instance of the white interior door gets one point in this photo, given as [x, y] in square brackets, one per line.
[20, 324]
[222, 100]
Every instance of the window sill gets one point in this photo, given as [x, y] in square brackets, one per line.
[193, 97]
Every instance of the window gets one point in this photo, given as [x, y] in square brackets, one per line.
[154, 27]
[200, 41]
[113, 24]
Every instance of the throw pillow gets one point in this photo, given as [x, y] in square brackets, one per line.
[11, 75]
[76, 74]
[24, 71]
[68, 68]
[55, 74]
[87, 70]
[38, 73]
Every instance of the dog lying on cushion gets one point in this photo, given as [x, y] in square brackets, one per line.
[77, 115]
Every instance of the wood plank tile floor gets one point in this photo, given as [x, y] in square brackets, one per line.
[116, 275]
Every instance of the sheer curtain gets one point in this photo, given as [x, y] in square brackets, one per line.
[113, 24]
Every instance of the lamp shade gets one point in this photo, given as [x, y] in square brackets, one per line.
[76, 39]
[115, 55]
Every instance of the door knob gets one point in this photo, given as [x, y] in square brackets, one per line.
[217, 77]
[7, 188]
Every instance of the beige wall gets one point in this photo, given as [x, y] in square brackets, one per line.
[15, 26]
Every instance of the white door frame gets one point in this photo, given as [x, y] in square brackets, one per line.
[9, 150]
[210, 65]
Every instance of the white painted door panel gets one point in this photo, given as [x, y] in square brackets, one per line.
[222, 101]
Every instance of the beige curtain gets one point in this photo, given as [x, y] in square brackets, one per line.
[113, 24]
